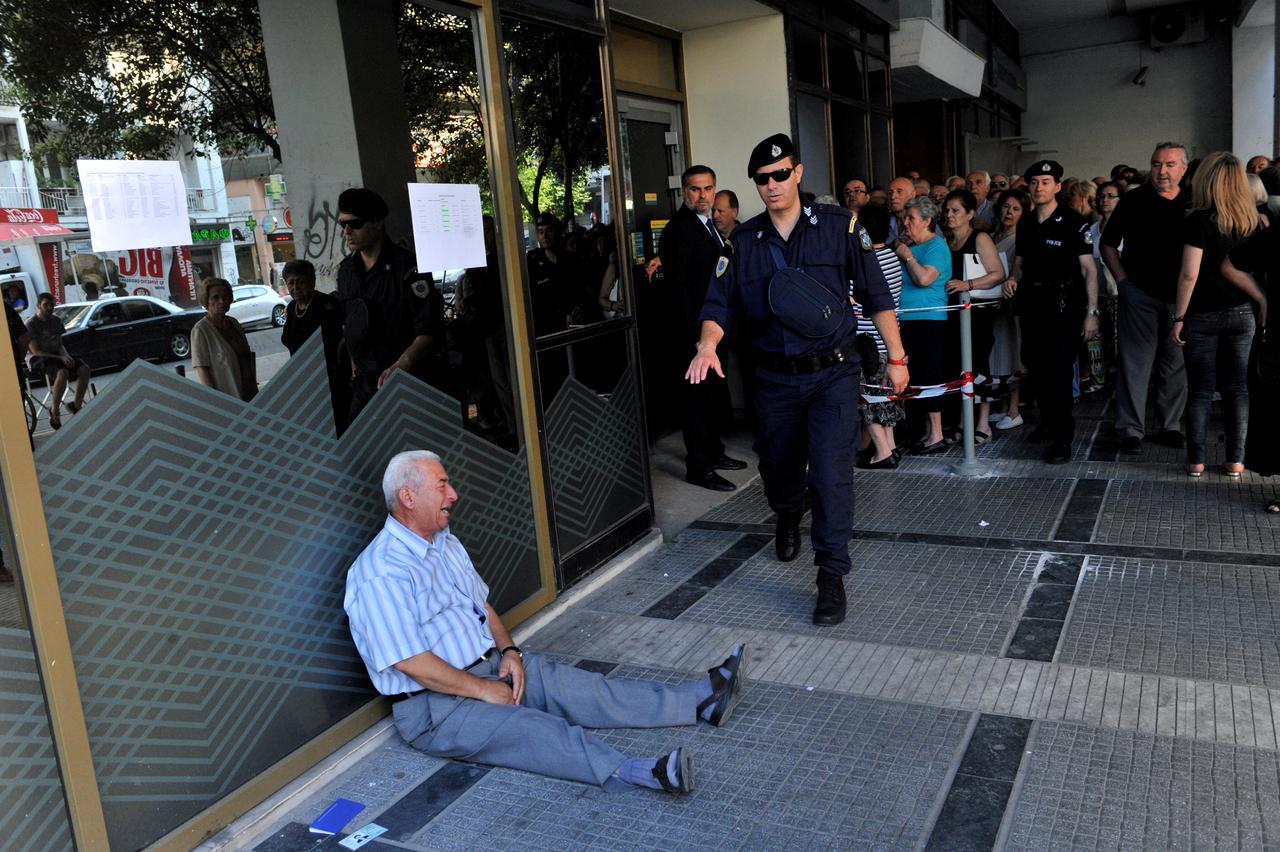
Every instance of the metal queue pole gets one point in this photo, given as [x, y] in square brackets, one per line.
[969, 466]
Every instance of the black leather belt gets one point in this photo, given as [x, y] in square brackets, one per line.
[803, 364]
[405, 696]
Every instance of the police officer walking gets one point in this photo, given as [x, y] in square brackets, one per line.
[788, 271]
[1056, 285]
[394, 317]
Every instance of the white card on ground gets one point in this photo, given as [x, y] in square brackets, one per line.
[361, 836]
[448, 227]
[133, 204]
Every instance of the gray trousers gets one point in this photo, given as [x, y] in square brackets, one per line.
[544, 734]
[1142, 338]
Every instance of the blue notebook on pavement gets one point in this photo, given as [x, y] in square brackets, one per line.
[336, 816]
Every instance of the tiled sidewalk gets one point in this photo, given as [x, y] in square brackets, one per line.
[1084, 656]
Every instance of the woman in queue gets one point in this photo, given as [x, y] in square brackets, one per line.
[220, 351]
[1006, 359]
[967, 246]
[926, 260]
[1213, 320]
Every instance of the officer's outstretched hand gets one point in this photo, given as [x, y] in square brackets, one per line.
[898, 377]
[704, 361]
[1090, 328]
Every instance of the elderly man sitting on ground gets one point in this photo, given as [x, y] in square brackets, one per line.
[423, 625]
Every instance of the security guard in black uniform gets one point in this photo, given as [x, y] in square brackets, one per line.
[394, 316]
[1056, 285]
[787, 273]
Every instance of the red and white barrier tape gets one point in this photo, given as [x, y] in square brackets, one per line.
[988, 389]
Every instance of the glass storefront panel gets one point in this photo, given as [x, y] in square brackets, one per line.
[844, 64]
[202, 535]
[806, 52]
[881, 150]
[849, 142]
[33, 813]
[811, 118]
[586, 350]
[877, 82]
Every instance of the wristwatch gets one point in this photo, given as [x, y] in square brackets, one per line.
[1092, 312]
[515, 648]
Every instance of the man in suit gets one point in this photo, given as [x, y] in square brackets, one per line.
[690, 247]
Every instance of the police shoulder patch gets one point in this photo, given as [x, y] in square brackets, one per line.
[1088, 236]
[721, 265]
[421, 289]
[864, 239]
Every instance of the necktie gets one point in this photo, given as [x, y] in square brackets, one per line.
[712, 228]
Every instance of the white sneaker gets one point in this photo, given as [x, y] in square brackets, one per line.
[1008, 422]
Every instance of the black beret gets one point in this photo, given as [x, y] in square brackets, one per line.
[362, 202]
[548, 219]
[769, 151]
[1044, 167]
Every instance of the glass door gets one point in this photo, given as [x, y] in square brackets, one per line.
[582, 315]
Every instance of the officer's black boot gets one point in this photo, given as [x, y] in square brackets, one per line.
[831, 600]
[787, 538]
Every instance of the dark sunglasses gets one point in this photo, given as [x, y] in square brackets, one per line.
[353, 224]
[778, 175]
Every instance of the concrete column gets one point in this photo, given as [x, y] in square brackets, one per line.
[1253, 70]
[339, 102]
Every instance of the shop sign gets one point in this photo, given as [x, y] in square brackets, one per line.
[51, 257]
[216, 233]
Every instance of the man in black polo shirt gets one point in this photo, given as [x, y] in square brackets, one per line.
[1056, 283]
[1149, 222]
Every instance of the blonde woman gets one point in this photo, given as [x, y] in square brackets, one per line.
[220, 351]
[1213, 320]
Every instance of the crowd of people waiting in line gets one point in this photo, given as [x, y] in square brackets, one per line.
[1184, 259]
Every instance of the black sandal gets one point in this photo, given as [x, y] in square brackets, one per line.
[724, 690]
[55, 421]
[1273, 508]
[684, 771]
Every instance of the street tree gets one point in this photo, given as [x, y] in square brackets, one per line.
[96, 79]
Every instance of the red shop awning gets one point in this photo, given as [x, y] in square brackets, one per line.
[17, 223]
[12, 231]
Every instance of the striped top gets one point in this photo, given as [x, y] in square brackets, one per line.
[892, 269]
[406, 595]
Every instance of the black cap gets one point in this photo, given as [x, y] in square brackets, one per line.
[548, 219]
[1044, 167]
[769, 151]
[361, 202]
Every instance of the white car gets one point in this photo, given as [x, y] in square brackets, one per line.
[253, 304]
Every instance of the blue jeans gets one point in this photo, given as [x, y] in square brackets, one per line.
[1217, 357]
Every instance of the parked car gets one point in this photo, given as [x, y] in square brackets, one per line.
[257, 304]
[112, 332]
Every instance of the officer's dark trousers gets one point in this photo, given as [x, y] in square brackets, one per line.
[1050, 341]
[705, 405]
[808, 436]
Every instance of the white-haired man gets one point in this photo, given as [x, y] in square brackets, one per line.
[423, 625]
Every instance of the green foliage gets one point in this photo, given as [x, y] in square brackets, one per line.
[96, 78]
[554, 83]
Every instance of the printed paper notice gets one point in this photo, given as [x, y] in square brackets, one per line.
[448, 231]
[133, 204]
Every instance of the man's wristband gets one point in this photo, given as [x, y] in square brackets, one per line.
[898, 362]
[511, 648]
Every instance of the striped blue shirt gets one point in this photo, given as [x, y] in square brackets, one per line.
[406, 595]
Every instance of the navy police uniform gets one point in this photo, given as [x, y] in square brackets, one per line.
[1051, 301]
[807, 388]
[386, 307]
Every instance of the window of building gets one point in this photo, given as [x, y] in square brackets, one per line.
[840, 90]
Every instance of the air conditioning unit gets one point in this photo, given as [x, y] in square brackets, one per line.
[1172, 27]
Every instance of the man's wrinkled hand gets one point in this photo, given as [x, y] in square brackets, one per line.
[495, 692]
[899, 377]
[513, 667]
